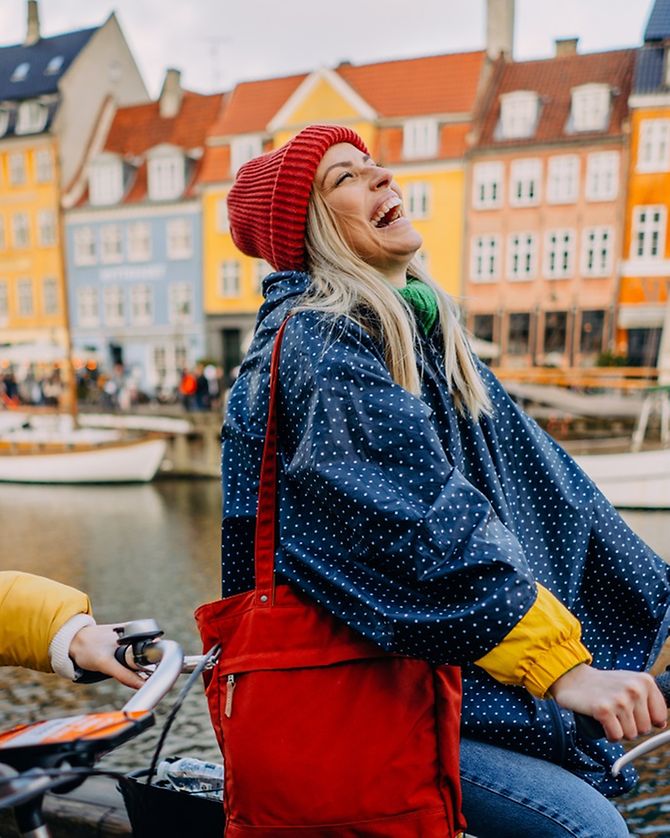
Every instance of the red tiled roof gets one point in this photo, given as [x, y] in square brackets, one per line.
[215, 164]
[417, 86]
[252, 105]
[553, 79]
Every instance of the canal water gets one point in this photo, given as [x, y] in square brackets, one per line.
[153, 551]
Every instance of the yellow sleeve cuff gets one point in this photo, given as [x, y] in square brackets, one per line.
[541, 647]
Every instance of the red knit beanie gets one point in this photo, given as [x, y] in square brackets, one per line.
[267, 205]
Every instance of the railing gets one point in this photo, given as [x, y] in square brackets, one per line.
[619, 378]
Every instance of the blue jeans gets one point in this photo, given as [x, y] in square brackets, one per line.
[510, 795]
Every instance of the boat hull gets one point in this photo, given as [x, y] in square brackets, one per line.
[631, 480]
[126, 462]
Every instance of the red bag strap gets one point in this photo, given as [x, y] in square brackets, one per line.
[266, 515]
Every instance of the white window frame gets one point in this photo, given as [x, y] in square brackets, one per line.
[88, 313]
[4, 302]
[522, 256]
[46, 228]
[244, 148]
[598, 250]
[16, 166]
[485, 257]
[488, 183]
[563, 179]
[50, 296]
[31, 117]
[590, 107]
[602, 175]
[21, 230]
[222, 223]
[105, 181]
[519, 112]
[525, 182]
[416, 199]
[114, 305]
[142, 304]
[139, 241]
[180, 302]
[559, 253]
[653, 151]
[167, 175]
[4, 121]
[85, 246]
[179, 234]
[111, 244]
[44, 165]
[652, 230]
[25, 293]
[420, 138]
[230, 283]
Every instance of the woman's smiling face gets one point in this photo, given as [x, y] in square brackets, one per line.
[368, 205]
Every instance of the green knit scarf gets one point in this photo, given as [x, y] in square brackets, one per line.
[423, 302]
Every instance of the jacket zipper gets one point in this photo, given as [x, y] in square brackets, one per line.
[230, 689]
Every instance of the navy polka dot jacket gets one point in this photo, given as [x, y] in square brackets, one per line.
[425, 531]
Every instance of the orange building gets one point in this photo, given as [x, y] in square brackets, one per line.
[545, 206]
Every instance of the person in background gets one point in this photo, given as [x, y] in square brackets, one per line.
[48, 626]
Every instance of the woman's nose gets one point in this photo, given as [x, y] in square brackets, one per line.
[381, 177]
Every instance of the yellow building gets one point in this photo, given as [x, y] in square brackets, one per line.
[413, 114]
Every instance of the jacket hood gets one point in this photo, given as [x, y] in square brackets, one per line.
[280, 286]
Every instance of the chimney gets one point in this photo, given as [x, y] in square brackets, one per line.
[566, 46]
[33, 28]
[499, 28]
[171, 94]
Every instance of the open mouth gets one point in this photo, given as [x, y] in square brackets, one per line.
[388, 212]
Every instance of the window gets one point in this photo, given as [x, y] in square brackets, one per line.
[593, 331]
[84, 246]
[4, 302]
[262, 270]
[229, 278]
[111, 245]
[179, 238]
[181, 302]
[483, 327]
[653, 154]
[105, 181]
[519, 113]
[559, 254]
[518, 333]
[87, 306]
[590, 107]
[166, 177]
[597, 249]
[54, 65]
[602, 176]
[43, 166]
[25, 297]
[525, 182]
[113, 301]
[485, 258]
[4, 121]
[160, 363]
[521, 256]
[141, 304]
[243, 149]
[20, 71]
[419, 138]
[50, 296]
[487, 185]
[555, 332]
[139, 242]
[21, 230]
[17, 169]
[222, 225]
[648, 240]
[31, 118]
[563, 179]
[417, 199]
[46, 228]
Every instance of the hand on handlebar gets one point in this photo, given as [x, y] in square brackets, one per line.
[92, 648]
[627, 704]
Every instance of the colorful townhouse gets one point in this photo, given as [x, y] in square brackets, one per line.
[134, 239]
[53, 92]
[645, 274]
[546, 189]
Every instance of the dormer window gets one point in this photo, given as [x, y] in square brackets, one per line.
[590, 107]
[519, 112]
[31, 118]
[4, 121]
[20, 71]
[105, 180]
[419, 139]
[243, 149]
[54, 65]
[167, 174]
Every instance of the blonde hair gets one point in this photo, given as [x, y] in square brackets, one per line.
[343, 284]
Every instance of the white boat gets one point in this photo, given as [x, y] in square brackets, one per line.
[631, 479]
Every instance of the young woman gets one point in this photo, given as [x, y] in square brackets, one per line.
[421, 507]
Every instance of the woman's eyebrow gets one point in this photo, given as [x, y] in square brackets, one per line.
[345, 164]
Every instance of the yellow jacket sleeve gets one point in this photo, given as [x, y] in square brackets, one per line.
[540, 648]
[32, 610]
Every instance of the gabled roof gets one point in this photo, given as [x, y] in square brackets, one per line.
[38, 56]
[252, 105]
[553, 79]
[418, 86]
[658, 26]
